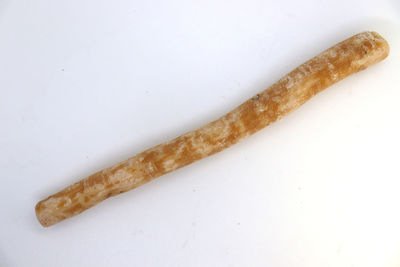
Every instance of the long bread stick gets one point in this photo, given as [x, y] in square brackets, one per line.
[329, 67]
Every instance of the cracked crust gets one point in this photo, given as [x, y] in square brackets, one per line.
[329, 67]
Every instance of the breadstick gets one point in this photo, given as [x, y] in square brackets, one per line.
[329, 67]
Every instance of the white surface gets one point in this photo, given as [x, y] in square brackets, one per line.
[86, 84]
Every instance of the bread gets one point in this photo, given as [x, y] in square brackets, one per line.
[329, 67]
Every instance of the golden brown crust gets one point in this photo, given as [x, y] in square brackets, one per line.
[329, 67]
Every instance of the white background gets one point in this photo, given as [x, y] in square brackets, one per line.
[85, 84]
